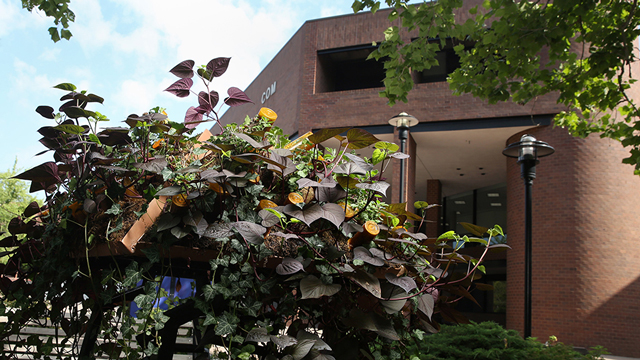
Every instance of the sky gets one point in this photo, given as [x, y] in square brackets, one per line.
[122, 50]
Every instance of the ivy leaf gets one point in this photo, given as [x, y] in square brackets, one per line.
[283, 341]
[326, 134]
[258, 335]
[218, 66]
[226, 324]
[289, 266]
[180, 88]
[378, 186]
[45, 111]
[236, 97]
[406, 283]
[313, 288]
[183, 70]
[359, 138]
[251, 232]
[218, 230]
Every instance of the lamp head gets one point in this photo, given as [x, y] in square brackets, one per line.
[403, 120]
[528, 149]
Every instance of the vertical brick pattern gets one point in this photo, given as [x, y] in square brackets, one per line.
[586, 276]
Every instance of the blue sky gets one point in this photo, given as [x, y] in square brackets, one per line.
[122, 50]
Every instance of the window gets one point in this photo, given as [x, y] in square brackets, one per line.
[484, 207]
[348, 69]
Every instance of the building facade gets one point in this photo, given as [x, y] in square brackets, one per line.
[586, 279]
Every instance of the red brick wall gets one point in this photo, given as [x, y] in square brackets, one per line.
[586, 276]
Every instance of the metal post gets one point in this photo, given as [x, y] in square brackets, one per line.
[528, 174]
[403, 134]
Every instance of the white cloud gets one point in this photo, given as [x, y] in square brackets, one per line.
[50, 54]
[134, 97]
[11, 17]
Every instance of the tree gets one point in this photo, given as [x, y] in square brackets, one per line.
[591, 46]
[14, 196]
[59, 11]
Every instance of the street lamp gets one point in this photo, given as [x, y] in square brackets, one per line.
[403, 122]
[528, 150]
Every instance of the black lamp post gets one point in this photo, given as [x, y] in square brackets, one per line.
[403, 122]
[528, 150]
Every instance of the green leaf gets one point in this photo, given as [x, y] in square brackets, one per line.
[359, 138]
[65, 34]
[53, 31]
[326, 134]
[385, 145]
[449, 235]
[115, 209]
[72, 129]
[65, 86]
[226, 324]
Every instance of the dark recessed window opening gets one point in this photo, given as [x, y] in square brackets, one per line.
[348, 69]
[448, 62]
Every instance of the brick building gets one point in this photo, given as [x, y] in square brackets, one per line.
[586, 278]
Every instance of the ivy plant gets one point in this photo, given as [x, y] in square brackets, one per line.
[294, 252]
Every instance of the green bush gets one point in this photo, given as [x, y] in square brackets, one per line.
[478, 341]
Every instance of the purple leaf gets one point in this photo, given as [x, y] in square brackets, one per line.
[399, 155]
[313, 288]
[334, 213]
[360, 161]
[155, 166]
[289, 266]
[304, 182]
[251, 232]
[426, 304]
[367, 281]
[350, 228]
[183, 70]
[218, 66]
[236, 97]
[180, 88]
[218, 230]
[45, 111]
[286, 236]
[329, 195]
[406, 283]
[380, 187]
[44, 173]
[208, 101]
[269, 218]
[32, 209]
[363, 254]
[307, 216]
[258, 335]
[192, 118]
[392, 292]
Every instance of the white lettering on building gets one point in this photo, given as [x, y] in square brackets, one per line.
[270, 91]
